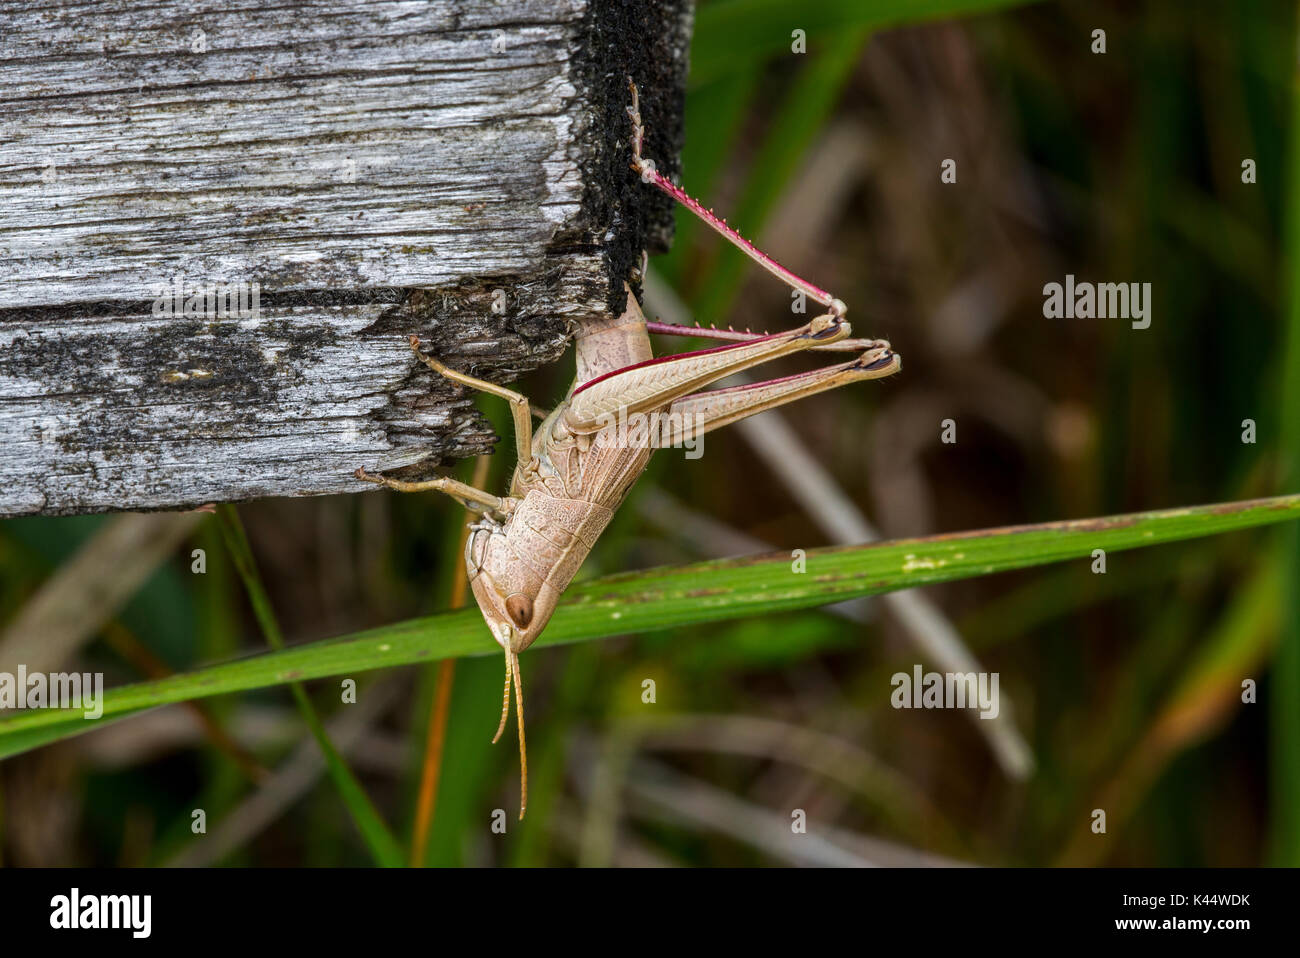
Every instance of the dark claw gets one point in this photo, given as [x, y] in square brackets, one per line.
[829, 332]
[882, 362]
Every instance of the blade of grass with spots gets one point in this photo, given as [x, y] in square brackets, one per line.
[682, 595]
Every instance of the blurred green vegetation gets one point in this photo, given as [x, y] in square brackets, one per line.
[1117, 167]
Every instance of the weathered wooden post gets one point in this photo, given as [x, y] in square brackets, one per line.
[218, 225]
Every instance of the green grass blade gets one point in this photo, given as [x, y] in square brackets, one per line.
[682, 595]
[383, 846]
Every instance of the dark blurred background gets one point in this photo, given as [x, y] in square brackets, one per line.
[1120, 691]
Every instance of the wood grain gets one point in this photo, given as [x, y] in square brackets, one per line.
[455, 170]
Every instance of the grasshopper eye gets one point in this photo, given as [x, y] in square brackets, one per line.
[520, 608]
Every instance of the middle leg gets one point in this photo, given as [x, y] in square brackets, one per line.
[518, 401]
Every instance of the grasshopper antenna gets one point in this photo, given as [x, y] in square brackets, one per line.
[523, 747]
[512, 669]
[505, 704]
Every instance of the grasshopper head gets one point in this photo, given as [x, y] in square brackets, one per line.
[515, 618]
[515, 608]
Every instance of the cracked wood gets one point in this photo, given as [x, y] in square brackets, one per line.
[378, 168]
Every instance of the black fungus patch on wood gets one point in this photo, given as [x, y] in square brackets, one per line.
[647, 43]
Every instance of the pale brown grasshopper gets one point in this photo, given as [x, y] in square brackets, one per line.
[575, 470]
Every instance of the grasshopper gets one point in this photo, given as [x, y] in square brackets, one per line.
[574, 471]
